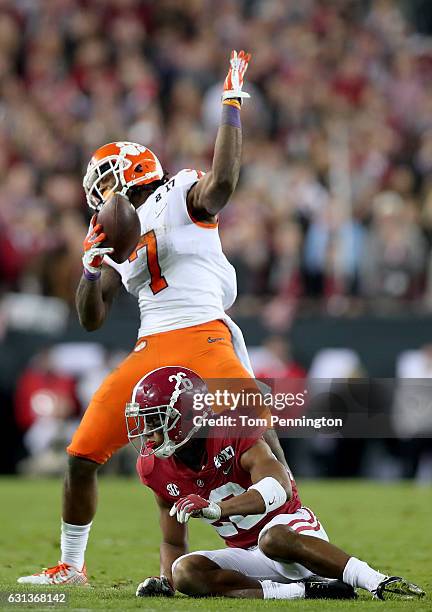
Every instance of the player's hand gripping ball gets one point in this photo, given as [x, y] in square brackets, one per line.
[155, 586]
[195, 506]
[93, 252]
[234, 80]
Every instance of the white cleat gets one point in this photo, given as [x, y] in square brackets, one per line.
[61, 574]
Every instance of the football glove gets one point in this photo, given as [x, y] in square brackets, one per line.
[196, 506]
[155, 586]
[93, 253]
[234, 80]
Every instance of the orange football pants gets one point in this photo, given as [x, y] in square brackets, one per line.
[207, 349]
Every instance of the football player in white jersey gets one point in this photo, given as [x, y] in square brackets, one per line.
[183, 284]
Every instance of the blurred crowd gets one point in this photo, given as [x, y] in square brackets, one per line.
[334, 204]
[51, 394]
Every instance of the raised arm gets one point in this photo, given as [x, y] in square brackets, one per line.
[173, 545]
[99, 284]
[209, 195]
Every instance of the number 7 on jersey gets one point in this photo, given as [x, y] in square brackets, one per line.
[148, 241]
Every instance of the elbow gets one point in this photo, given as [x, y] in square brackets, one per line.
[219, 194]
[90, 318]
[89, 324]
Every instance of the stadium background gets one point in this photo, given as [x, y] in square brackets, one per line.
[330, 228]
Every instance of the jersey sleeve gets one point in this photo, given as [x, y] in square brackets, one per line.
[244, 444]
[185, 179]
[181, 183]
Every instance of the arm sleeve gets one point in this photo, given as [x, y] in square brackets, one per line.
[185, 179]
[244, 444]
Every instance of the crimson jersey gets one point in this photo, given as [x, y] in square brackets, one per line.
[220, 478]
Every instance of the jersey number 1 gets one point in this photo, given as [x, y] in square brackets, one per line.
[157, 281]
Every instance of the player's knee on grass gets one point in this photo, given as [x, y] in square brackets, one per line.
[280, 542]
[191, 575]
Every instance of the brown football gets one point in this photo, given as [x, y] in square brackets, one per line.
[121, 225]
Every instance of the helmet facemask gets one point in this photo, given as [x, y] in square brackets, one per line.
[143, 422]
[95, 176]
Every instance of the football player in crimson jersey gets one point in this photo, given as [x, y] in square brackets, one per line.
[183, 284]
[276, 548]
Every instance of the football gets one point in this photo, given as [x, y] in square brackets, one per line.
[121, 225]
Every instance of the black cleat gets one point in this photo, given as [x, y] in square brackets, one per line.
[155, 586]
[326, 588]
[395, 587]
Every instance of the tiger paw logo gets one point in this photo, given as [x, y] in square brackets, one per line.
[130, 148]
[140, 346]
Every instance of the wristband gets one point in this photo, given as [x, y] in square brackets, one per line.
[232, 102]
[272, 492]
[231, 114]
[90, 276]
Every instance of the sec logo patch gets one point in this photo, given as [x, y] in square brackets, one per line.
[173, 489]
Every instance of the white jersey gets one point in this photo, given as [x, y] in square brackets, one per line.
[178, 271]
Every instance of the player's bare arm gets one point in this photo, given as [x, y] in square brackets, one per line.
[270, 436]
[270, 489]
[174, 538]
[94, 298]
[260, 463]
[99, 284]
[173, 546]
[209, 195]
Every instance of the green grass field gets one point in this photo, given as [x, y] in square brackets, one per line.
[388, 525]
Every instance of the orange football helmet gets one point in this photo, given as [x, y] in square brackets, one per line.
[130, 164]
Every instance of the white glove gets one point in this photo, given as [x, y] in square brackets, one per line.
[234, 80]
[93, 253]
[196, 506]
